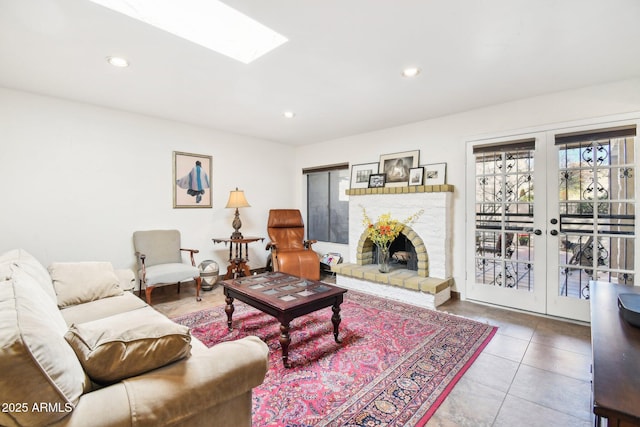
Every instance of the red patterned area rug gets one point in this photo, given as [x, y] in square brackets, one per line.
[395, 366]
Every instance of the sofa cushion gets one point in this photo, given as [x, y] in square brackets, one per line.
[212, 377]
[39, 300]
[100, 308]
[80, 282]
[128, 344]
[127, 279]
[36, 362]
[31, 266]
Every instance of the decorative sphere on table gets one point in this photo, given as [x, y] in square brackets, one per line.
[209, 272]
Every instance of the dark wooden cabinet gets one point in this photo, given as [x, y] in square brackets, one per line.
[616, 358]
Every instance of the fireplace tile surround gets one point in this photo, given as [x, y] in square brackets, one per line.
[430, 234]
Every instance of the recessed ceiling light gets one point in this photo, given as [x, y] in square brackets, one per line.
[289, 114]
[209, 23]
[411, 71]
[116, 61]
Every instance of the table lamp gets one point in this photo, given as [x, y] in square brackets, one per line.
[237, 200]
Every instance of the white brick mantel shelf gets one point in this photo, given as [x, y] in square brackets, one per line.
[447, 188]
[431, 235]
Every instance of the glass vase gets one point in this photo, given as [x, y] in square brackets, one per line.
[383, 259]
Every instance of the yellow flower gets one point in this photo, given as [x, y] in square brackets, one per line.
[386, 229]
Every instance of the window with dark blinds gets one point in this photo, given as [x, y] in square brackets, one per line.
[327, 203]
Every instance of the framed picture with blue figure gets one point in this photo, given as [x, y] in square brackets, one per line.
[191, 180]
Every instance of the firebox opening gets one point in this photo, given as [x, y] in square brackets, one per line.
[402, 253]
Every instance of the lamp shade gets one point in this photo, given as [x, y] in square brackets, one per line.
[237, 199]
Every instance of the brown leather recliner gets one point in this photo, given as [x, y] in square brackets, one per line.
[290, 253]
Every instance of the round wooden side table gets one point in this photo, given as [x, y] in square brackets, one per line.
[238, 266]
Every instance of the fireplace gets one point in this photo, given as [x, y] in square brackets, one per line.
[421, 272]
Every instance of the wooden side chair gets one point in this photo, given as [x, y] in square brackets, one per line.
[160, 261]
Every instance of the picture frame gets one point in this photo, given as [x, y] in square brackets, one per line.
[377, 180]
[396, 167]
[192, 180]
[360, 174]
[435, 174]
[416, 175]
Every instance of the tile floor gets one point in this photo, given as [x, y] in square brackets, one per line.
[534, 372]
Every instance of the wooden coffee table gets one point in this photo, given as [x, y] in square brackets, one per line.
[284, 297]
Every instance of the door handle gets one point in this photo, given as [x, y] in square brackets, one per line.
[554, 232]
[537, 232]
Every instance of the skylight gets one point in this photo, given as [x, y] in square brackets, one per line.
[209, 23]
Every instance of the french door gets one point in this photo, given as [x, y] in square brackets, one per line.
[591, 224]
[552, 211]
[505, 257]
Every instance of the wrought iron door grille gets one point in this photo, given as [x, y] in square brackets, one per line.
[597, 212]
[504, 215]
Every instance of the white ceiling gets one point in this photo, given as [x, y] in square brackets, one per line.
[340, 70]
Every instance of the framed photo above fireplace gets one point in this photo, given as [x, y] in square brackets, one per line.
[376, 180]
[435, 174]
[416, 175]
[396, 167]
[360, 174]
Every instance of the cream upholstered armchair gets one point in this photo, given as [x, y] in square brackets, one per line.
[160, 261]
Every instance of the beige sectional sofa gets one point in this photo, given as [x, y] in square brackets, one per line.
[78, 350]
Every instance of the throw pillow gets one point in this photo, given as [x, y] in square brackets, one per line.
[109, 352]
[31, 266]
[37, 365]
[80, 282]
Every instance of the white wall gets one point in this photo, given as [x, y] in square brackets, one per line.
[77, 180]
[443, 140]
